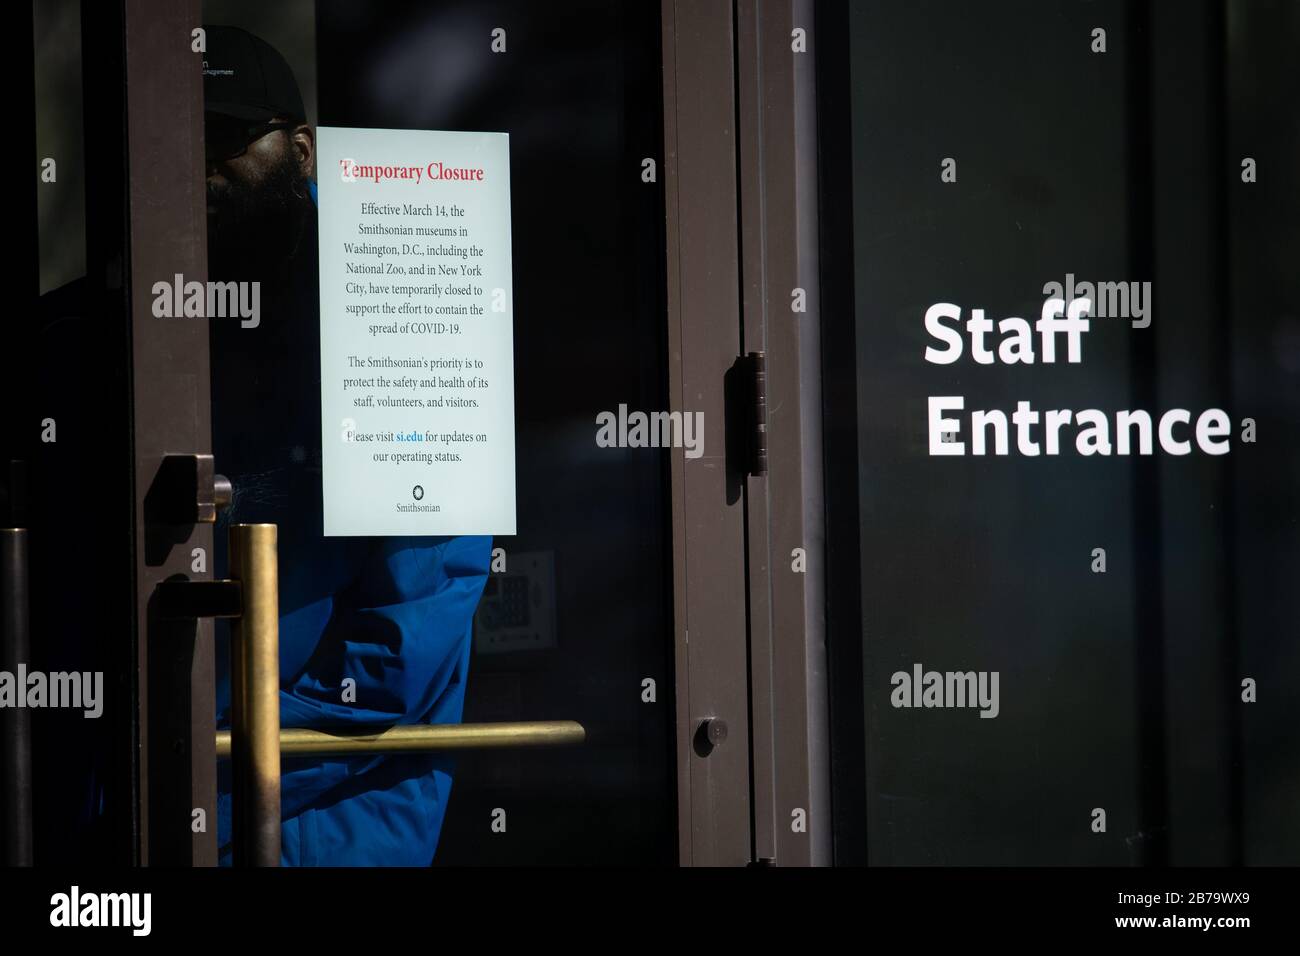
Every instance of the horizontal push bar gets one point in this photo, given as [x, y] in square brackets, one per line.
[423, 738]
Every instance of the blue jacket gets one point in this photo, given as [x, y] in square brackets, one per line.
[401, 629]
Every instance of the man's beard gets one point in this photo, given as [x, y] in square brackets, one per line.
[254, 229]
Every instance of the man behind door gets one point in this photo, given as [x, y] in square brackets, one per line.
[373, 631]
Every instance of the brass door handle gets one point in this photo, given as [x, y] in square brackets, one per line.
[255, 742]
[423, 738]
[251, 599]
[255, 697]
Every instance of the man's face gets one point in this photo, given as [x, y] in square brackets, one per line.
[256, 175]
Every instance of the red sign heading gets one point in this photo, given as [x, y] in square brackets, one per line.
[352, 171]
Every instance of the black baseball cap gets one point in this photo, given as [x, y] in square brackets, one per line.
[247, 78]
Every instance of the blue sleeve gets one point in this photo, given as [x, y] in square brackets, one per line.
[393, 642]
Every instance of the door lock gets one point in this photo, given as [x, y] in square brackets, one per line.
[711, 733]
[187, 490]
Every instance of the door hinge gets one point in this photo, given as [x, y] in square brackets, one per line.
[757, 363]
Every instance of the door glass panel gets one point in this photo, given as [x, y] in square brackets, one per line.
[1129, 592]
[576, 607]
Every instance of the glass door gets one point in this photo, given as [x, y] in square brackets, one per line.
[546, 462]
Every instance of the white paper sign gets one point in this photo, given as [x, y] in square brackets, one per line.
[417, 356]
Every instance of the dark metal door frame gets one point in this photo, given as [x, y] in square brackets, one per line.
[779, 255]
[741, 200]
[166, 236]
[708, 513]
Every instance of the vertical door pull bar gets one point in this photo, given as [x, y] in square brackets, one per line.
[255, 697]
[15, 723]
